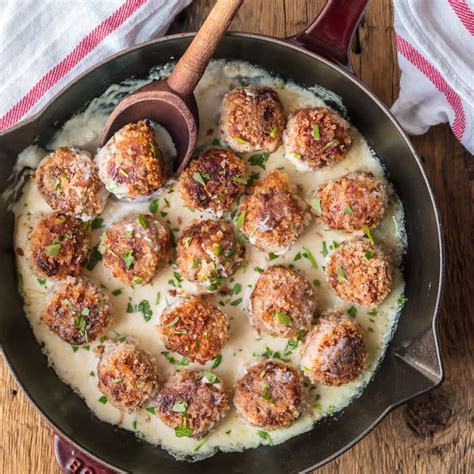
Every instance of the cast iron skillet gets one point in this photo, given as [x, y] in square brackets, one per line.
[412, 363]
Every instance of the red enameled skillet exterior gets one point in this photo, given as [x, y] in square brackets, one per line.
[412, 363]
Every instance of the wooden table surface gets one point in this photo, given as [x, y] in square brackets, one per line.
[441, 435]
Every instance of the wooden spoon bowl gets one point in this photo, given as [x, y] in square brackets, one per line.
[171, 102]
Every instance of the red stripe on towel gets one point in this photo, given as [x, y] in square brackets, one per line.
[464, 13]
[54, 75]
[420, 62]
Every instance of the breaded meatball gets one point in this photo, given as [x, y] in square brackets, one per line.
[131, 164]
[282, 302]
[192, 402]
[59, 245]
[213, 181]
[360, 272]
[270, 395]
[134, 247]
[252, 119]
[68, 180]
[315, 138]
[352, 202]
[333, 353]
[126, 375]
[272, 216]
[208, 252]
[77, 311]
[195, 329]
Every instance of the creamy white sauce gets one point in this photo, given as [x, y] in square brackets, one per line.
[78, 368]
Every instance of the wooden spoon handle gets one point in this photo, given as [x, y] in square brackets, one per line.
[195, 59]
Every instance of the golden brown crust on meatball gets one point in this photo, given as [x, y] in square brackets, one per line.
[352, 202]
[59, 245]
[270, 395]
[282, 302]
[224, 176]
[252, 119]
[68, 180]
[131, 164]
[126, 376]
[195, 329]
[134, 247]
[360, 272]
[316, 137]
[77, 311]
[273, 217]
[208, 252]
[334, 353]
[192, 402]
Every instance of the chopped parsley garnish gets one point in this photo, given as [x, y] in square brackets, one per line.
[258, 269]
[325, 249]
[316, 205]
[329, 144]
[264, 435]
[80, 323]
[200, 445]
[236, 302]
[352, 311]
[341, 276]
[283, 318]
[182, 431]
[240, 220]
[142, 307]
[180, 407]
[373, 312]
[94, 259]
[369, 254]
[210, 377]
[331, 410]
[237, 289]
[116, 381]
[217, 362]
[128, 259]
[273, 133]
[103, 399]
[183, 362]
[153, 148]
[307, 254]
[297, 257]
[369, 235]
[265, 390]
[272, 256]
[228, 432]
[240, 140]
[117, 292]
[200, 178]
[97, 223]
[153, 207]
[240, 179]
[150, 410]
[216, 142]
[42, 282]
[316, 283]
[316, 135]
[174, 322]
[142, 220]
[53, 249]
[348, 210]
[401, 301]
[92, 373]
[259, 159]
[137, 281]
[187, 241]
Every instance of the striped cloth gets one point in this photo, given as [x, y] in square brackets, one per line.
[435, 42]
[44, 44]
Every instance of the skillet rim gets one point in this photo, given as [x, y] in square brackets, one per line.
[288, 43]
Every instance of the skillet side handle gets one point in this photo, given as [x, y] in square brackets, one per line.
[330, 35]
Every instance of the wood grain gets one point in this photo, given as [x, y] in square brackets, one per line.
[392, 447]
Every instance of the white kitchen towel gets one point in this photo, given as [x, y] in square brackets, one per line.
[435, 42]
[44, 44]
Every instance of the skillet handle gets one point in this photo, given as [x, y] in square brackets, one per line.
[330, 34]
[73, 461]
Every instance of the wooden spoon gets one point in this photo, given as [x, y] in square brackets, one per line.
[171, 102]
